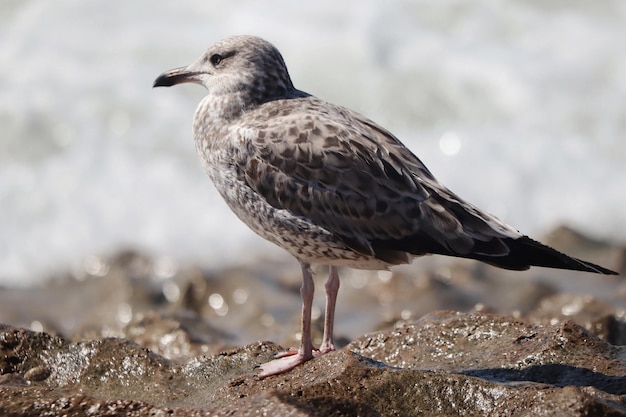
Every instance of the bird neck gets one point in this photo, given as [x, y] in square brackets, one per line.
[224, 107]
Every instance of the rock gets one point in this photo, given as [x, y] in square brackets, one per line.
[444, 364]
[137, 335]
[597, 316]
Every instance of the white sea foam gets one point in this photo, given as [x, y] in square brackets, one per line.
[517, 106]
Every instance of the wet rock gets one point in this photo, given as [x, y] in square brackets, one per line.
[176, 336]
[111, 294]
[486, 344]
[131, 334]
[597, 316]
[444, 364]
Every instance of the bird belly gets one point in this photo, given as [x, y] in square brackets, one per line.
[297, 235]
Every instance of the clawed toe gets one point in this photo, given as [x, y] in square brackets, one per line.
[288, 352]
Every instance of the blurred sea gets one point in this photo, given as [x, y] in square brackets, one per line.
[518, 106]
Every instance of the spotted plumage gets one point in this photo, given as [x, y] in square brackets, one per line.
[329, 185]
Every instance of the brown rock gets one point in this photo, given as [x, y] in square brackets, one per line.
[444, 364]
[595, 315]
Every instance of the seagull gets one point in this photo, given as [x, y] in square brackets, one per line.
[329, 185]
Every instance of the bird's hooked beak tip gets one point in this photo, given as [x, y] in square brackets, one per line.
[174, 76]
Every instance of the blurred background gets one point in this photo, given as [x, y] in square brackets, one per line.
[517, 106]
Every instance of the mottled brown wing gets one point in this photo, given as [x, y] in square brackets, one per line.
[357, 180]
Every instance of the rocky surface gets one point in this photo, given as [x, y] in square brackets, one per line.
[133, 335]
[444, 364]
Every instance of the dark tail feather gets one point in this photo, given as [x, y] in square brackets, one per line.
[525, 252]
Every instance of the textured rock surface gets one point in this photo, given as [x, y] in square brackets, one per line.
[134, 335]
[446, 363]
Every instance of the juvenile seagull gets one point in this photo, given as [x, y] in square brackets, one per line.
[329, 185]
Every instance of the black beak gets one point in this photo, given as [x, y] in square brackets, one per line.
[175, 76]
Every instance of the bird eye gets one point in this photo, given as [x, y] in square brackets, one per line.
[216, 59]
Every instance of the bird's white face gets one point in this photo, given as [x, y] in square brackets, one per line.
[237, 64]
[222, 70]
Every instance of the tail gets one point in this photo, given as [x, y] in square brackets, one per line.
[525, 252]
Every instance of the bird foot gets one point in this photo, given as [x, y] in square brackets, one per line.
[289, 352]
[284, 362]
[289, 359]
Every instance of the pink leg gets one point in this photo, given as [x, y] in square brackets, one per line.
[332, 288]
[305, 352]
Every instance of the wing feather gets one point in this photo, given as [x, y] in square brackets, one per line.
[354, 178]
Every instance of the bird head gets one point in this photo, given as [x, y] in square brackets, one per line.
[239, 64]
